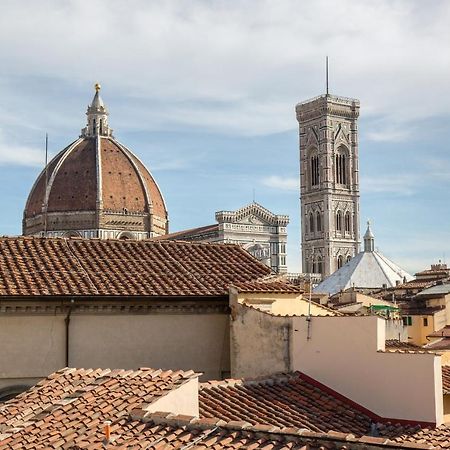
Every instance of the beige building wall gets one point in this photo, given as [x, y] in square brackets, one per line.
[259, 344]
[284, 304]
[418, 331]
[34, 345]
[347, 355]
[182, 400]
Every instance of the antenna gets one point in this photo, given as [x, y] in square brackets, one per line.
[46, 184]
[326, 74]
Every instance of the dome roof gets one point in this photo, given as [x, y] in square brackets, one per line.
[368, 269]
[97, 179]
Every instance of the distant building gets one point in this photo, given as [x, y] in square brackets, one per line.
[96, 188]
[369, 269]
[329, 183]
[256, 229]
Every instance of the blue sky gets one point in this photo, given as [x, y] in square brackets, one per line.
[204, 93]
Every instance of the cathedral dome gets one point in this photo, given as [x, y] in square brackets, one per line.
[96, 187]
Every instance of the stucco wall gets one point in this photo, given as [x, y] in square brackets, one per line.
[345, 353]
[33, 345]
[172, 341]
[259, 343]
[286, 304]
[182, 400]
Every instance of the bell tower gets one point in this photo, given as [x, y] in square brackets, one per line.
[329, 182]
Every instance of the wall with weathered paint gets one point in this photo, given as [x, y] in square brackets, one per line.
[259, 343]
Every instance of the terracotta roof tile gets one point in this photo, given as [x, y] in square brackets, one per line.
[395, 344]
[78, 267]
[71, 401]
[446, 379]
[293, 401]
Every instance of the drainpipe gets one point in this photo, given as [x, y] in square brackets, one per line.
[67, 322]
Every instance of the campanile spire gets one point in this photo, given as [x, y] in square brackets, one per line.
[97, 115]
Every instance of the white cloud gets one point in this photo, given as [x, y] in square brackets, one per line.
[20, 155]
[390, 184]
[249, 61]
[282, 183]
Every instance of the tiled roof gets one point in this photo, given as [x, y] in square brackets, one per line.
[169, 431]
[69, 402]
[189, 234]
[443, 332]
[293, 401]
[394, 344]
[268, 286]
[446, 379]
[284, 401]
[69, 408]
[438, 344]
[88, 267]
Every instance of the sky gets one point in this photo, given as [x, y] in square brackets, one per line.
[204, 92]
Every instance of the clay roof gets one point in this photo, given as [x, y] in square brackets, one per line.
[446, 379]
[69, 402]
[283, 401]
[76, 183]
[443, 332]
[89, 267]
[268, 286]
[189, 234]
[168, 431]
[298, 401]
[394, 344]
[68, 410]
[438, 344]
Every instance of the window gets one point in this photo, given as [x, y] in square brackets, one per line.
[340, 261]
[319, 266]
[341, 168]
[407, 321]
[425, 321]
[315, 178]
[347, 222]
[318, 221]
[348, 258]
[311, 223]
[338, 221]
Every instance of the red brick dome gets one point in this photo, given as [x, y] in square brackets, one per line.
[96, 184]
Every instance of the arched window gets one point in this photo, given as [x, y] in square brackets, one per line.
[319, 266]
[339, 221]
[315, 172]
[341, 167]
[318, 221]
[348, 258]
[347, 222]
[340, 261]
[311, 223]
[314, 267]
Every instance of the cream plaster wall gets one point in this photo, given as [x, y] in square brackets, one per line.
[345, 354]
[285, 304]
[33, 345]
[182, 400]
[172, 341]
